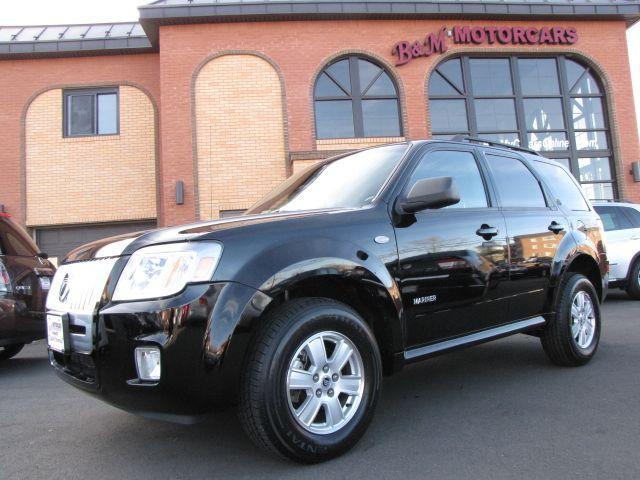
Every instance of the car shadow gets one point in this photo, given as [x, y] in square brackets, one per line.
[448, 382]
[22, 365]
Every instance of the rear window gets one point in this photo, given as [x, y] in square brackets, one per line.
[563, 186]
[14, 240]
[633, 215]
[613, 218]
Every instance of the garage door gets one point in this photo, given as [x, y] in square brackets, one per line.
[59, 241]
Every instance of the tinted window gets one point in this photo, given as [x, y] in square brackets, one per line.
[613, 218]
[633, 215]
[516, 184]
[91, 112]
[462, 167]
[563, 186]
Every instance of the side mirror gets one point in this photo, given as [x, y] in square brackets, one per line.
[436, 192]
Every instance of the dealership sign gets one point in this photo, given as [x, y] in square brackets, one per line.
[437, 42]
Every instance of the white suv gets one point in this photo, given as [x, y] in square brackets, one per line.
[622, 229]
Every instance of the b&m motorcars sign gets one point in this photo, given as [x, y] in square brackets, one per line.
[437, 42]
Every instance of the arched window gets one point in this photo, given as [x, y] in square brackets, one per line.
[554, 105]
[354, 97]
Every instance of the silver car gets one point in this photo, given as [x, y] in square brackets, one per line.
[622, 229]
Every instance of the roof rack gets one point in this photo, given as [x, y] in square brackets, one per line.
[464, 138]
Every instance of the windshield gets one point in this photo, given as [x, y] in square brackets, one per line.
[351, 181]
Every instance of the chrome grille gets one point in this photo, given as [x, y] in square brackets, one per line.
[77, 287]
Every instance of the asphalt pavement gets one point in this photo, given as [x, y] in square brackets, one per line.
[499, 410]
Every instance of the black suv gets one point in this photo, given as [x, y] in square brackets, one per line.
[350, 269]
[25, 277]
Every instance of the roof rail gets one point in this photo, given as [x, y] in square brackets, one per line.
[492, 143]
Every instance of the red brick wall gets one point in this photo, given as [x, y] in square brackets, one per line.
[299, 49]
[20, 80]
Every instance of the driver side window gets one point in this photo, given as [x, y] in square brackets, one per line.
[462, 166]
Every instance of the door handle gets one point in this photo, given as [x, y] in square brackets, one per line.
[556, 227]
[487, 232]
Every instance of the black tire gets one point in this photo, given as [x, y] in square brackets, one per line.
[10, 351]
[633, 288]
[264, 409]
[557, 339]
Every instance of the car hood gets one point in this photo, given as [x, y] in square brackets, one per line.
[128, 243]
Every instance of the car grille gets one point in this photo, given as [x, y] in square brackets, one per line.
[78, 287]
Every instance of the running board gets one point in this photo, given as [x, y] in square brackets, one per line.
[419, 353]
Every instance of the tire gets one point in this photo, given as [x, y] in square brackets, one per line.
[559, 341]
[268, 408]
[10, 351]
[633, 288]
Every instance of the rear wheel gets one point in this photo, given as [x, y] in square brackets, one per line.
[10, 351]
[633, 288]
[311, 382]
[572, 335]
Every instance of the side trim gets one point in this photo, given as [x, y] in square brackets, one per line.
[419, 353]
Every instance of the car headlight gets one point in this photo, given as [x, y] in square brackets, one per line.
[163, 270]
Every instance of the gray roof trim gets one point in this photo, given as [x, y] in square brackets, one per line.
[156, 14]
[63, 48]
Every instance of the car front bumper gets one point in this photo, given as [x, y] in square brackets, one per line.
[202, 335]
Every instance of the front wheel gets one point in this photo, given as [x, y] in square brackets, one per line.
[10, 351]
[572, 335]
[311, 381]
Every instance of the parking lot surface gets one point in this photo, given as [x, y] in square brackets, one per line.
[499, 410]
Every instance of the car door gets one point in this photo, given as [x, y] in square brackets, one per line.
[452, 261]
[535, 228]
[622, 240]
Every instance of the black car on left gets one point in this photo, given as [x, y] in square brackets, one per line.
[25, 278]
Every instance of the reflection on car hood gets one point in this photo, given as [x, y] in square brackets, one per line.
[130, 242]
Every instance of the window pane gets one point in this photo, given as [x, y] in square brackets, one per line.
[339, 71]
[613, 218]
[448, 116]
[464, 170]
[594, 169]
[538, 76]
[591, 141]
[587, 84]
[512, 139]
[325, 87]
[80, 114]
[498, 114]
[453, 70]
[548, 142]
[380, 118]
[382, 86]
[490, 76]
[439, 86]
[367, 71]
[563, 186]
[574, 71]
[516, 185]
[598, 191]
[587, 113]
[107, 114]
[543, 114]
[334, 119]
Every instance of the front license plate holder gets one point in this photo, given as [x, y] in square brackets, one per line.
[58, 332]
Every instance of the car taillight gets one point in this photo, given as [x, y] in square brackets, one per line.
[5, 281]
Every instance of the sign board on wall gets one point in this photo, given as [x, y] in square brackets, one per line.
[437, 42]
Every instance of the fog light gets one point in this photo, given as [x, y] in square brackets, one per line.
[148, 363]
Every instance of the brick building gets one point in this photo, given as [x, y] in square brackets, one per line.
[103, 126]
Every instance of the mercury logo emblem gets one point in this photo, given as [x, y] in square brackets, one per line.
[63, 294]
